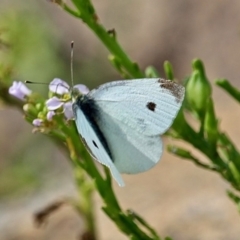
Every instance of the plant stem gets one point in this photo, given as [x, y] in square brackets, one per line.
[109, 41]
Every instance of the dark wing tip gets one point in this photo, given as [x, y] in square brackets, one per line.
[175, 89]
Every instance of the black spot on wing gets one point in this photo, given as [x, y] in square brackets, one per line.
[90, 110]
[88, 148]
[151, 106]
[95, 144]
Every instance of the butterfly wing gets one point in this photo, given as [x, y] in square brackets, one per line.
[148, 106]
[132, 115]
[93, 143]
[131, 152]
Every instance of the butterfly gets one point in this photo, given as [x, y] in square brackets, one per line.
[120, 122]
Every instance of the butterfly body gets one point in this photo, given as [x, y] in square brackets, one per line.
[121, 122]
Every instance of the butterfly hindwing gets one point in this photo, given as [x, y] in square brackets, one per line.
[131, 152]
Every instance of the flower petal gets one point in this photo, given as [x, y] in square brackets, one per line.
[53, 103]
[19, 90]
[37, 122]
[68, 112]
[82, 88]
[59, 86]
[50, 115]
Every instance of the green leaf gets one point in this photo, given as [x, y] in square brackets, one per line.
[226, 85]
[211, 125]
[235, 198]
[151, 72]
[168, 68]
[186, 155]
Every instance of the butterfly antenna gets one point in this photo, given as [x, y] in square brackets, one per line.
[31, 82]
[72, 46]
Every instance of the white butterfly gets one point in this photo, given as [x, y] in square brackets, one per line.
[121, 122]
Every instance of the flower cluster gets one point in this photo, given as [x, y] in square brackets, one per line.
[60, 100]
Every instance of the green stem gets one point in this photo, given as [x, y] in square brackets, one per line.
[186, 155]
[112, 207]
[226, 85]
[197, 140]
[110, 42]
[113, 46]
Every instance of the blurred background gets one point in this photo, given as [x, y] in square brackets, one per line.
[176, 198]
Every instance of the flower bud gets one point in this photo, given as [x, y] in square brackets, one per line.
[198, 89]
[37, 122]
[30, 109]
[168, 70]
[50, 115]
[151, 72]
[19, 90]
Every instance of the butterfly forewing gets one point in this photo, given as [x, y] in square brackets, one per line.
[92, 140]
[147, 105]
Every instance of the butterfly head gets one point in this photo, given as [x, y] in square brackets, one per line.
[75, 93]
[78, 91]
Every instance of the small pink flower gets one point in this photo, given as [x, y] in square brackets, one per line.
[19, 90]
[83, 89]
[60, 87]
[37, 122]
[68, 112]
[54, 103]
[50, 115]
